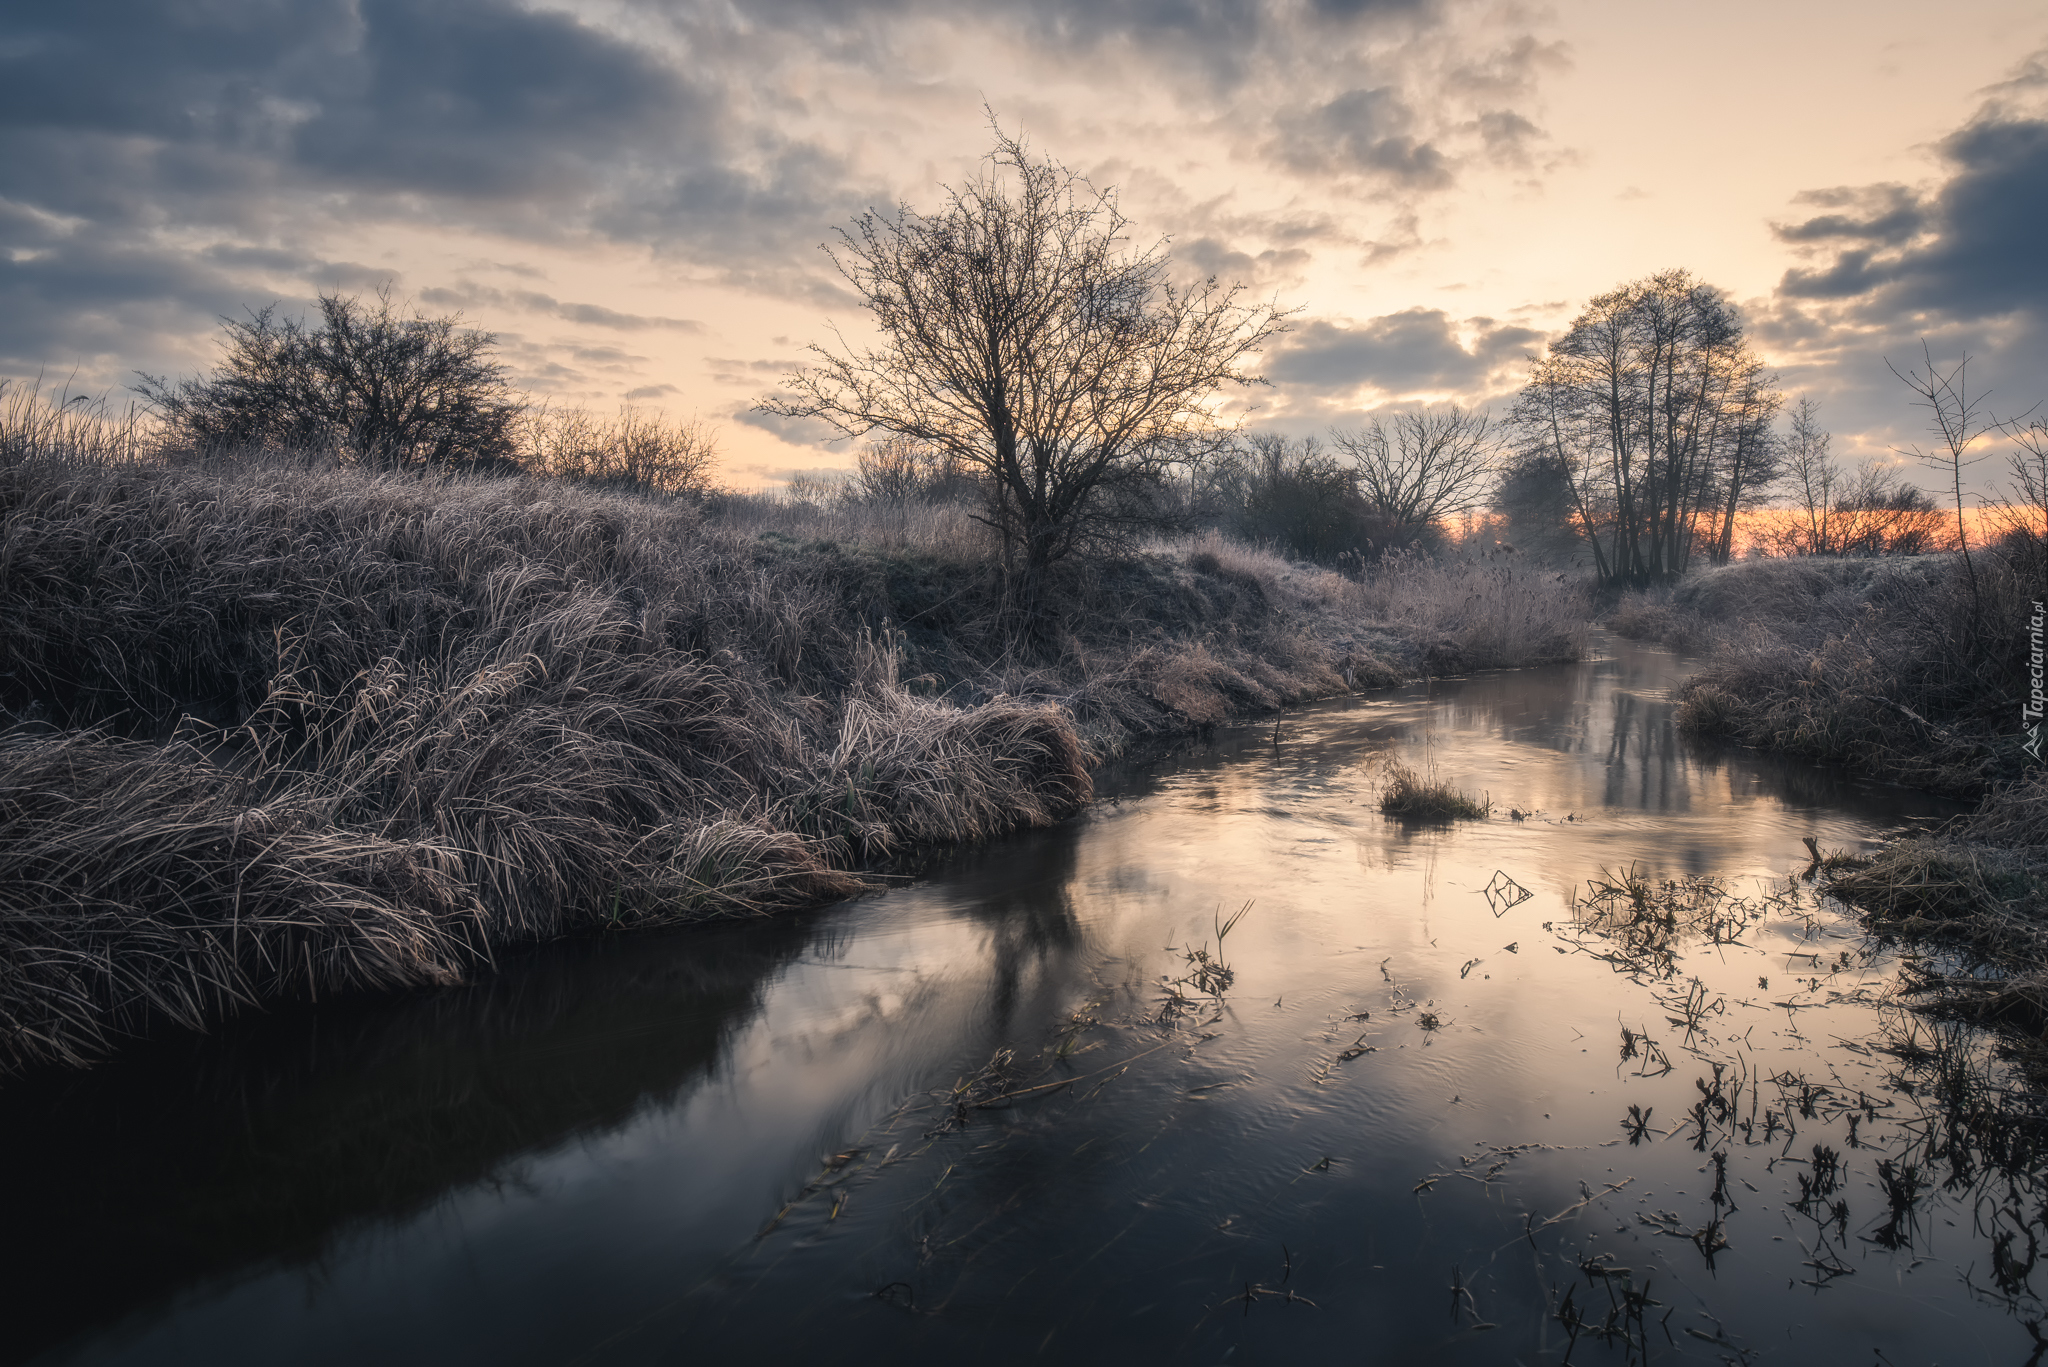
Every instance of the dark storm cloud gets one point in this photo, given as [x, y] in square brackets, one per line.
[1413, 351]
[1955, 266]
[1968, 249]
[130, 127]
[476, 97]
[1885, 214]
[456, 98]
[164, 162]
[94, 294]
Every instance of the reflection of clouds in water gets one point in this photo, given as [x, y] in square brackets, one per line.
[661, 1098]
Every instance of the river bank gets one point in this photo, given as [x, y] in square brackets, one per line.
[742, 1141]
[278, 732]
[1914, 670]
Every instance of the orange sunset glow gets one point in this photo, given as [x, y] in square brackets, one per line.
[1437, 188]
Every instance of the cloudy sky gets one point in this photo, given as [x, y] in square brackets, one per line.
[632, 193]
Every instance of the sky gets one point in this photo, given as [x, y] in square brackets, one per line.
[632, 195]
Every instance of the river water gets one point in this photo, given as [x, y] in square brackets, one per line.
[1446, 1105]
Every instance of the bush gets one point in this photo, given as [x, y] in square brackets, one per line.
[375, 388]
[636, 451]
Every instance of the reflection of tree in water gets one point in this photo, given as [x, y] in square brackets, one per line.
[1645, 754]
[194, 1157]
[1022, 891]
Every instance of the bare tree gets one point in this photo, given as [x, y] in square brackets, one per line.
[1956, 421]
[1837, 513]
[1814, 475]
[896, 471]
[2024, 509]
[1421, 466]
[376, 387]
[1754, 459]
[1645, 404]
[1022, 338]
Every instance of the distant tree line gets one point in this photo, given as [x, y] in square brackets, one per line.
[1066, 388]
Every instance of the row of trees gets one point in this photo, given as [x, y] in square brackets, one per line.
[1024, 350]
[1069, 386]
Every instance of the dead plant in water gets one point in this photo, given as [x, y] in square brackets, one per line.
[1412, 796]
[1206, 975]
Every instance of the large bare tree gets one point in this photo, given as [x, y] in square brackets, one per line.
[1651, 404]
[1021, 336]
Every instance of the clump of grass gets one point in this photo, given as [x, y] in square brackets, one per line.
[1413, 796]
[1206, 973]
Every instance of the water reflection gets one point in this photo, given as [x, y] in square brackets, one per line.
[198, 1159]
[1427, 1125]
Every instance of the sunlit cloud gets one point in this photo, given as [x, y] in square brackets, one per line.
[572, 173]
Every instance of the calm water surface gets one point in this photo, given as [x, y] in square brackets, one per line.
[1432, 1117]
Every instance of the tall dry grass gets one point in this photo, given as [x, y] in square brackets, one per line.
[294, 735]
[1489, 611]
[80, 428]
[276, 730]
[1897, 667]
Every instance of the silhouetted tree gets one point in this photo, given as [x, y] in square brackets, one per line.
[1416, 468]
[1021, 338]
[1837, 513]
[1646, 402]
[374, 386]
[1956, 421]
[1536, 496]
[1754, 459]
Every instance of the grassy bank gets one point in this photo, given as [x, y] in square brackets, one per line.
[1909, 669]
[1904, 669]
[1977, 892]
[279, 732]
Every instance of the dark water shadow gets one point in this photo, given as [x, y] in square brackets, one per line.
[208, 1200]
[194, 1159]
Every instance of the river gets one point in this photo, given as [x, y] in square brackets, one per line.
[1432, 1098]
